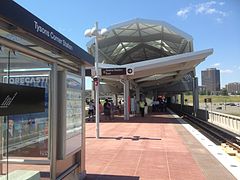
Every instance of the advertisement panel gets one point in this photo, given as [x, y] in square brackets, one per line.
[70, 113]
[18, 99]
[27, 114]
[73, 112]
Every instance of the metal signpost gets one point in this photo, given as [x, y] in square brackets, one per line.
[96, 33]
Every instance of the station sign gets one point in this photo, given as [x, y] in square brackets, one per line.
[113, 71]
[36, 27]
[117, 71]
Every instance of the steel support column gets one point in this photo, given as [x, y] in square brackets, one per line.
[53, 122]
[126, 102]
[182, 100]
[176, 99]
[116, 99]
[83, 144]
[195, 95]
[137, 99]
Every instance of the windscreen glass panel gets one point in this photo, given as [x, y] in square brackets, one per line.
[24, 109]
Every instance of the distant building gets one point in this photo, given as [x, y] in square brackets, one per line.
[202, 89]
[233, 88]
[211, 80]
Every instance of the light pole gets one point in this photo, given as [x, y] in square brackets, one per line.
[95, 32]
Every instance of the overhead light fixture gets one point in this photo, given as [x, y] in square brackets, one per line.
[156, 77]
[27, 70]
[27, 75]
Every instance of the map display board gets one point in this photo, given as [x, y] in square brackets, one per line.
[70, 113]
[74, 106]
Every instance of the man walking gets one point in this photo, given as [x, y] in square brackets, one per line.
[142, 106]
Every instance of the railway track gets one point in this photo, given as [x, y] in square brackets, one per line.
[229, 141]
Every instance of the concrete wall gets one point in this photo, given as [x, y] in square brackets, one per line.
[201, 114]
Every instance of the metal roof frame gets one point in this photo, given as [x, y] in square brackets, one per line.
[159, 53]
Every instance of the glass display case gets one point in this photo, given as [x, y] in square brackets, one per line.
[70, 113]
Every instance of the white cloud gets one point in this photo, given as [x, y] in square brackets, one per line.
[226, 71]
[207, 8]
[203, 8]
[184, 12]
[216, 65]
[211, 11]
[239, 67]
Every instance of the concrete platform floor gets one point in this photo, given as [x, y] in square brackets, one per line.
[155, 147]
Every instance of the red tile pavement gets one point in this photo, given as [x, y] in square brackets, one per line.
[141, 148]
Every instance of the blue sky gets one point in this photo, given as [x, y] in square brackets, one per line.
[212, 24]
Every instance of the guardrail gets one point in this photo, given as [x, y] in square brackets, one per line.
[226, 121]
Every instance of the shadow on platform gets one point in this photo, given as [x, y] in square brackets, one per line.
[134, 138]
[109, 177]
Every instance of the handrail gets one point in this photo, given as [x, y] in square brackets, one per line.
[225, 121]
[229, 115]
[229, 122]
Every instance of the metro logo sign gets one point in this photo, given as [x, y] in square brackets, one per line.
[130, 71]
[8, 100]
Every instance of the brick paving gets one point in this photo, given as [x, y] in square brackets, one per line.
[149, 148]
[155, 147]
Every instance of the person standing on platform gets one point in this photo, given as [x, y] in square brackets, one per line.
[91, 110]
[100, 107]
[107, 110]
[142, 106]
[111, 109]
[145, 107]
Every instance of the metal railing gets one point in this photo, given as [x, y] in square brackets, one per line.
[226, 121]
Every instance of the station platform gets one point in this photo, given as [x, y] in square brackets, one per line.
[154, 147]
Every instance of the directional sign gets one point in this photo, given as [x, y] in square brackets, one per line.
[113, 71]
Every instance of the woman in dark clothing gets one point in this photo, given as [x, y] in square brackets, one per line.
[107, 109]
[142, 106]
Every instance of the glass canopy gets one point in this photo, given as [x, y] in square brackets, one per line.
[139, 40]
